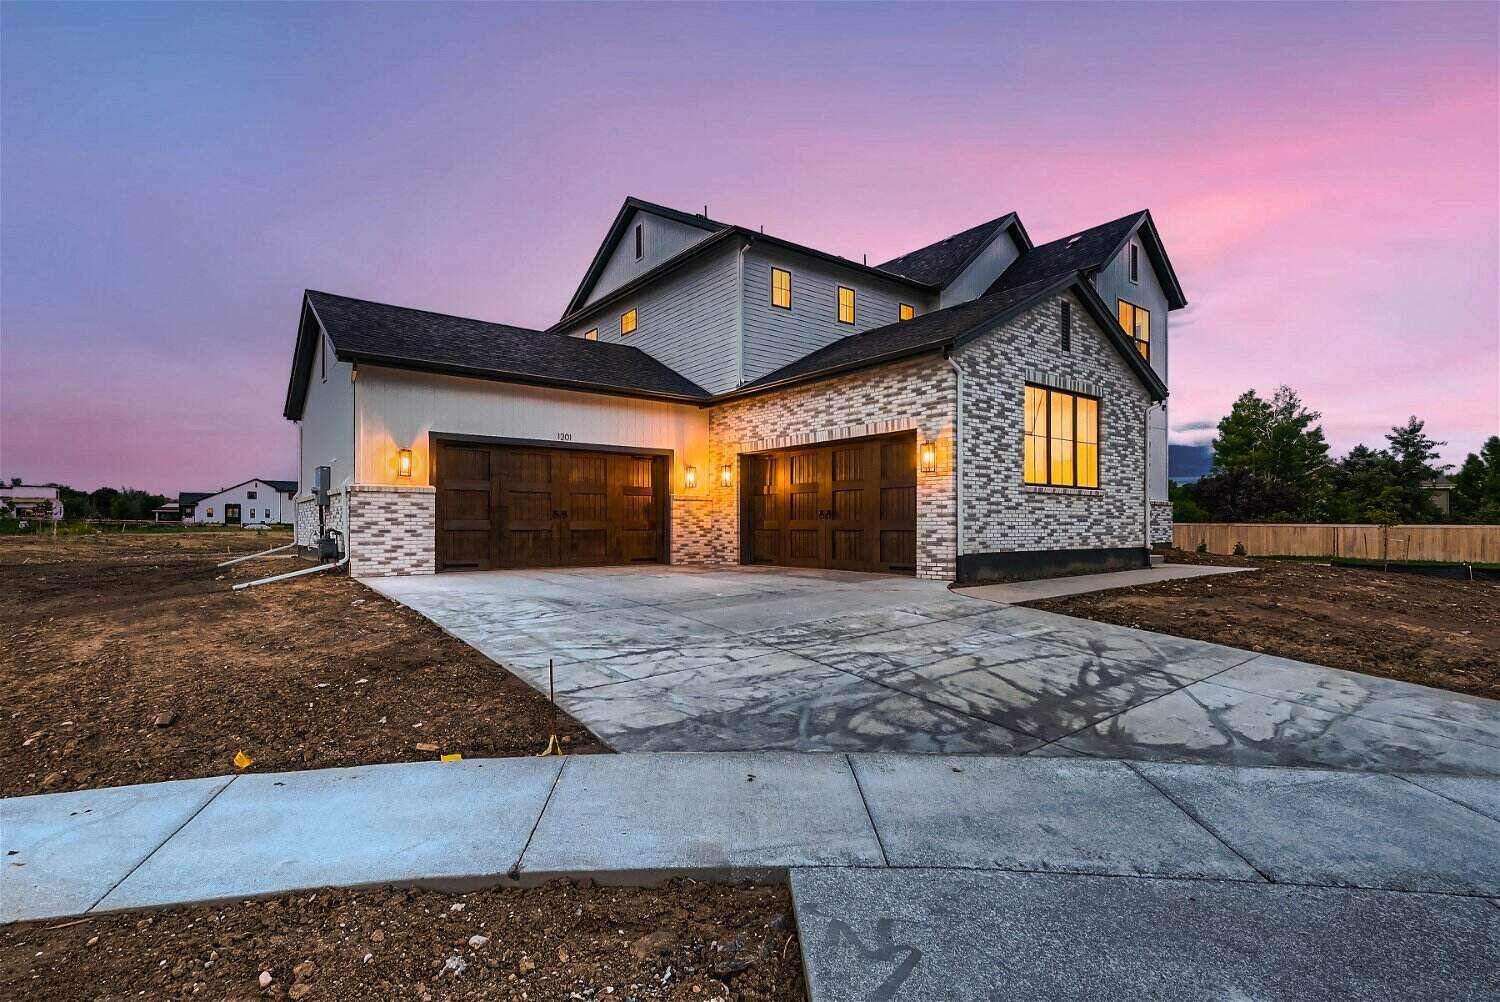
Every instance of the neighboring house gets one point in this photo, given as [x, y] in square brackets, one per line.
[31, 502]
[1442, 494]
[254, 502]
[976, 409]
[187, 504]
[169, 512]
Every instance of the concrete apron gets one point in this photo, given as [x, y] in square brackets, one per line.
[638, 819]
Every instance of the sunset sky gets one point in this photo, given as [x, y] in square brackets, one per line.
[1326, 179]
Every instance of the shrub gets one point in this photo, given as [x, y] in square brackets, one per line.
[1239, 549]
[1202, 547]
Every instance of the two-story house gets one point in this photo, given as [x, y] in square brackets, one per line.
[976, 409]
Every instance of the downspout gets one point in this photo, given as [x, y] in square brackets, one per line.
[739, 313]
[958, 452]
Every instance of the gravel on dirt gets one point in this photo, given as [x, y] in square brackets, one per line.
[130, 659]
[1427, 630]
[566, 940]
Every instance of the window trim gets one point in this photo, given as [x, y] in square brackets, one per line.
[592, 334]
[788, 273]
[1133, 263]
[1143, 348]
[905, 312]
[635, 322]
[839, 306]
[1047, 438]
[640, 240]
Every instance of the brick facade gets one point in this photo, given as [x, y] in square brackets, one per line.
[913, 395]
[392, 530]
[1001, 513]
[1161, 523]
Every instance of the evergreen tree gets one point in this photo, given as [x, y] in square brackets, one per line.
[1476, 486]
[1413, 468]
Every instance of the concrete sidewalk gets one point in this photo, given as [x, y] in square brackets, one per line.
[1081, 584]
[640, 818]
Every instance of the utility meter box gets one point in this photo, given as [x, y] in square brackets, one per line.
[322, 481]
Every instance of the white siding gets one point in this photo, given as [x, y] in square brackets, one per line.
[398, 409]
[1114, 284]
[981, 273]
[664, 238]
[267, 507]
[687, 320]
[325, 435]
[775, 337]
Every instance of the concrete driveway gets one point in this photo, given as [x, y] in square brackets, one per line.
[683, 659]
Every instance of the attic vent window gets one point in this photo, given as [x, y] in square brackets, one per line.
[1135, 263]
[640, 241]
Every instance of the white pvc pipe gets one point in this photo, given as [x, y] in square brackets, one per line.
[252, 556]
[293, 574]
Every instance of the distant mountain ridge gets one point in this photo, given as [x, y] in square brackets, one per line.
[1186, 463]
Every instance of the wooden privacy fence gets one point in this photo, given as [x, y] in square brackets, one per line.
[1474, 544]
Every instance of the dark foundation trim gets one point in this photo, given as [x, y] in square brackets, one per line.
[987, 568]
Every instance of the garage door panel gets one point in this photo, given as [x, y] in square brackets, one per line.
[849, 505]
[523, 506]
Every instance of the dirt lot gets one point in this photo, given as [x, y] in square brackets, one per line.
[107, 638]
[562, 941]
[1403, 626]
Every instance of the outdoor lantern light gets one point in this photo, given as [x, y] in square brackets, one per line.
[690, 477]
[726, 475]
[929, 458]
[403, 463]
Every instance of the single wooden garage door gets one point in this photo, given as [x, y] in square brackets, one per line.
[850, 506]
[517, 506]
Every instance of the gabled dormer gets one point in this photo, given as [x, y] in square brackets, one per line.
[642, 236]
[966, 264]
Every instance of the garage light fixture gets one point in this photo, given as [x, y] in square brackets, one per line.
[929, 458]
[690, 477]
[726, 475]
[403, 463]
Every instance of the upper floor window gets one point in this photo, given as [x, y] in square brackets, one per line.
[1135, 262]
[627, 323]
[1137, 323]
[252, 512]
[1065, 321]
[904, 311]
[250, 495]
[592, 335]
[640, 241]
[781, 288]
[1062, 438]
[846, 305]
[210, 513]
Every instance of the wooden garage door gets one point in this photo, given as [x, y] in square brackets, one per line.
[850, 506]
[516, 506]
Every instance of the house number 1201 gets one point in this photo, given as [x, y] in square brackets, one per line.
[565, 436]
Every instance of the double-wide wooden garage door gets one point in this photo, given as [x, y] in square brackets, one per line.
[518, 506]
[850, 506]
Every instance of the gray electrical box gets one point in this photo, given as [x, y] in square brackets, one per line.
[322, 481]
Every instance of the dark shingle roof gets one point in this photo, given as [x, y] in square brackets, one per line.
[1091, 248]
[940, 263]
[376, 332]
[193, 497]
[907, 337]
[284, 486]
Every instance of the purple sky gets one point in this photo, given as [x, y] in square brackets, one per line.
[1326, 178]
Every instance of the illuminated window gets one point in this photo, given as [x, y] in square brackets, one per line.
[1135, 263]
[627, 323]
[640, 242]
[1061, 438]
[904, 311]
[1137, 323]
[846, 305]
[592, 335]
[781, 288]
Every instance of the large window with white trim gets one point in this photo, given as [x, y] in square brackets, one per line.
[1061, 438]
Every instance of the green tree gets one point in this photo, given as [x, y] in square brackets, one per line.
[1184, 508]
[1357, 487]
[1270, 457]
[1413, 468]
[1476, 486]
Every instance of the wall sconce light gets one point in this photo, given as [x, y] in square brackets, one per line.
[726, 474]
[929, 457]
[403, 463]
[690, 477]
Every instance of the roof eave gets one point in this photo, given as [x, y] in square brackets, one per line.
[613, 236]
[671, 264]
[521, 378]
[754, 389]
[296, 389]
